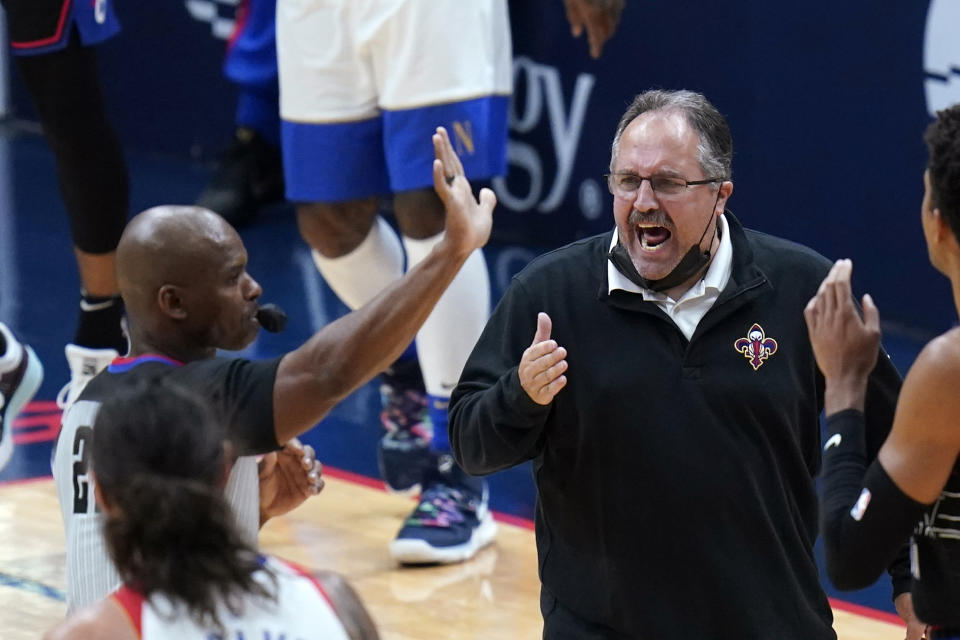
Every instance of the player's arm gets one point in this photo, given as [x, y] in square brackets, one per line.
[350, 351]
[867, 513]
[347, 605]
[104, 620]
[924, 444]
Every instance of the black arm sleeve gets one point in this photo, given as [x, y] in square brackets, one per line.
[864, 517]
[493, 422]
[881, 403]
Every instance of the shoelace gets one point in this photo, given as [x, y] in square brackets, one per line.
[62, 396]
[442, 506]
[80, 381]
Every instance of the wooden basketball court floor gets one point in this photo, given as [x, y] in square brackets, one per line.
[346, 528]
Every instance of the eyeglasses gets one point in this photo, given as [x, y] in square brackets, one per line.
[626, 185]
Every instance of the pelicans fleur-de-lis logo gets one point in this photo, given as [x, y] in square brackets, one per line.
[756, 347]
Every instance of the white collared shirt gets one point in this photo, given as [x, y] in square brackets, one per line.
[686, 312]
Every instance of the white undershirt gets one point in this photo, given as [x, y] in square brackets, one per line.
[686, 312]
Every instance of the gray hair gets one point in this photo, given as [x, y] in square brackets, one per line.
[715, 147]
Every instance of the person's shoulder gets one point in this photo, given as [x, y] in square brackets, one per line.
[930, 391]
[347, 605]
[773, 249]
[941, 357]
[785, 261]
[101, 621]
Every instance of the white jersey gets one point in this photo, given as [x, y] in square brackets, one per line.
[301, 611]
[91, 575]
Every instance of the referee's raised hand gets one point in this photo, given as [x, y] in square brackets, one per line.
[469, 220]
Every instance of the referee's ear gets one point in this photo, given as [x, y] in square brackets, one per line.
[170, 302]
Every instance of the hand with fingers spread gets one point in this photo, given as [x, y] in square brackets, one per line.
[468, 220]
[543, 364]
[599, 17]
[844, 344]
[287, 478]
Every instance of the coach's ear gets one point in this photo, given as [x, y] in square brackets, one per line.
[170, 301]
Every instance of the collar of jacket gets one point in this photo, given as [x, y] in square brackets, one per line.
[747, 280]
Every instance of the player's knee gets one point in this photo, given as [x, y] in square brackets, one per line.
[419, 213]
[336, 228]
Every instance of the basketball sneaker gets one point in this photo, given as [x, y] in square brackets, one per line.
[248, 177]
[85, 364]
[450, 523]
[403, 453]
[20, 376]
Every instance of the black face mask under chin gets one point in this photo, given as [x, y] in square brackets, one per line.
[692, 262]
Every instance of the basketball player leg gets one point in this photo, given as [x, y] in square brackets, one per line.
[249, 175]
[467, 93]
[93, 179]
[336, 173]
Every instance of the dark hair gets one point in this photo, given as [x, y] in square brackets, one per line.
[943, 143]
[715, 149]
[158, 458]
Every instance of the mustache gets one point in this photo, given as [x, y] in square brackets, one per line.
[658, 218]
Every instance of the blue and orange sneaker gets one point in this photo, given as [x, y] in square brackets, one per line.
[20, 376]
[450, 524]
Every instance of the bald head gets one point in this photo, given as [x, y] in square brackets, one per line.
[169, 245]
[182, 274]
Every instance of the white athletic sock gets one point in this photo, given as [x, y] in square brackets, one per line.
[452, 329]
[367, 270]
[10, 358]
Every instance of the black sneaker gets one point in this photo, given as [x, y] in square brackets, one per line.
[404, 454]
[249, 176]
[450, 524]
[17, 386]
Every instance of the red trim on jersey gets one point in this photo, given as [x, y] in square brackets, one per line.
[52, 39]
[120, 360]
[306, 573]
[240, 21]
[132, 604]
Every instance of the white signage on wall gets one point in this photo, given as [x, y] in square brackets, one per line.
[219, 13]
[941, 55]
[543, 97]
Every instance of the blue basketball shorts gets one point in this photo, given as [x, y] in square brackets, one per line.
[363, 86]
